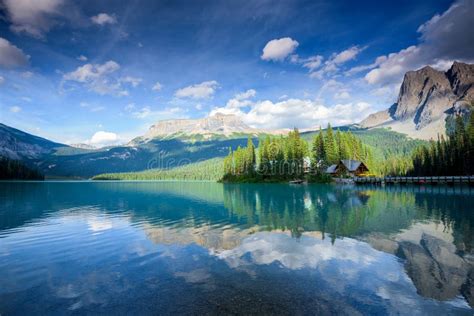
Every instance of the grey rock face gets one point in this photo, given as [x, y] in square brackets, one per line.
[424, 93]
[461, 77]
[428, 95]
[217, 124]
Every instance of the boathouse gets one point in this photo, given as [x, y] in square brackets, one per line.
[347, 167]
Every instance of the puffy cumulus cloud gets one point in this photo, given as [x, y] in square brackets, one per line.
[82, 58]
[241, 99]
[296, 113]
[157, 86]
[15, 109]
[279, 49]
[103, 19]
[33, 18]
[92, 71]
[102, 138]
[202, 90]
[245, 95]
[444, 38]
[101, 78]
[11, 56]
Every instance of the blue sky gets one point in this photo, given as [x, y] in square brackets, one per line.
[102, 72]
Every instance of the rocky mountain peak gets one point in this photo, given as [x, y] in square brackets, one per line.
[426, 99]
[220, 124]
[421, 88]
[461, 76]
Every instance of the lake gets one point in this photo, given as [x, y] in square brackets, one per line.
[209, 248]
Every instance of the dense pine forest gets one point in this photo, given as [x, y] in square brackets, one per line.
[15, 170]
[452, 156]
[208, 170]
[282, 158]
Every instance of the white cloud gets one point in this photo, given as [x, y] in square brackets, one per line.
[313, 62]
[444, 38]
[361, 68]
[82, 58]
[241, 99]
[2, 80]
[33, 18]
[157, 86]
[279, 49]
[11, 56]
[102, 138]
[245, 95]
[346, 55]
[100, 78]
[133, 81]
[332, 66]
[15, 109]
[104, 18]
[299, 113]
[342, 95]
[202, 90]
[92, 71]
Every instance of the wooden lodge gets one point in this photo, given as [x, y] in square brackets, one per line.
[347, 167]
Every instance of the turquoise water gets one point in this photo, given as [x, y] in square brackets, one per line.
[208, 248]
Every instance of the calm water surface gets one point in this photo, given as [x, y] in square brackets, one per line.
[208, 248]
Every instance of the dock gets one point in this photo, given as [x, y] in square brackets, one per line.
[416, 180]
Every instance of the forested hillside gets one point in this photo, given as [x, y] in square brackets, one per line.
[383, 151]
[15, 170]
[453, 156]
[391, 151]
[209, 170]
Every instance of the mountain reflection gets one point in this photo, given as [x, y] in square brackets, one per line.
[357, 231]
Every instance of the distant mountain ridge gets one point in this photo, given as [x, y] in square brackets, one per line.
[219, 124]
[16, 144]
[428, 98]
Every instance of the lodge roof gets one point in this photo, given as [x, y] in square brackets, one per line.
[331, 169]
[351, 165]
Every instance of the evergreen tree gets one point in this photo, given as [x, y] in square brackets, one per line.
[330, 147]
